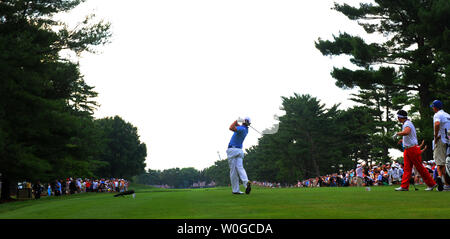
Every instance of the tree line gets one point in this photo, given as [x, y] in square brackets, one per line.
[47, 127]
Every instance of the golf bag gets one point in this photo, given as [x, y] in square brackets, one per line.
[124, 193]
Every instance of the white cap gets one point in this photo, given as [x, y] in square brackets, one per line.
[358, 165]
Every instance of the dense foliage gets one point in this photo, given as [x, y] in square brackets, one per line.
[47, 129]
[414, 59]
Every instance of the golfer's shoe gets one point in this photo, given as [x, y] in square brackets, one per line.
[446, 188]
[440, 184]
[238, 193]
[431, 188]
[401, 189]
[249, 188]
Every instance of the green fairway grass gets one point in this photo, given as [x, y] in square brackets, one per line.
[218, 203]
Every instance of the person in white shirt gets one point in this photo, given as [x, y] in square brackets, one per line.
[359, 175]
[441, 125]
[95, 186]
[412, 155]
[396, 173]
[78, 186]
[390, 175]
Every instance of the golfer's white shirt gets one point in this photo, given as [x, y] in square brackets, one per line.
[410, 139]
[444, 121]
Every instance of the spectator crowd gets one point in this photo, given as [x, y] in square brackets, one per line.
[78, 185]
[362, 175]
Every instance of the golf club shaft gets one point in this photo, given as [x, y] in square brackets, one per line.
[255, 130]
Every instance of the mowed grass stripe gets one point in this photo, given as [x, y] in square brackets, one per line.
[218, 203]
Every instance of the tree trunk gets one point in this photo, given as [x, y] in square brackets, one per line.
[425, 96]
[313, 160]
[385, 129]
[426, 115]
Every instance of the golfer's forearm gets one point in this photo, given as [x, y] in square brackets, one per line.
[233, 126]
[405, 132]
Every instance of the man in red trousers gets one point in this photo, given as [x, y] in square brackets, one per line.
[412, 155]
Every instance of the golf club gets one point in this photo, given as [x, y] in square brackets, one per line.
[255, 130]
[272, 130]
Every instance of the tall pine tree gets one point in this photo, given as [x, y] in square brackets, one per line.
[45, 105]
[414, 56]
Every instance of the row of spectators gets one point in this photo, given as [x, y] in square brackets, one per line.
[78, 185]
[363, 175]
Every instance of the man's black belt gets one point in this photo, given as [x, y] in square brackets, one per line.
[235, 147]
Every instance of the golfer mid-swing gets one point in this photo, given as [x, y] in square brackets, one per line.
[235, 156]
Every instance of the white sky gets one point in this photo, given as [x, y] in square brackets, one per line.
[182, 71]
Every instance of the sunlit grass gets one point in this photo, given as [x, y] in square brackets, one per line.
[218, 203]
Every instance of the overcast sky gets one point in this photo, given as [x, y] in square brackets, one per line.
[182, 71]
